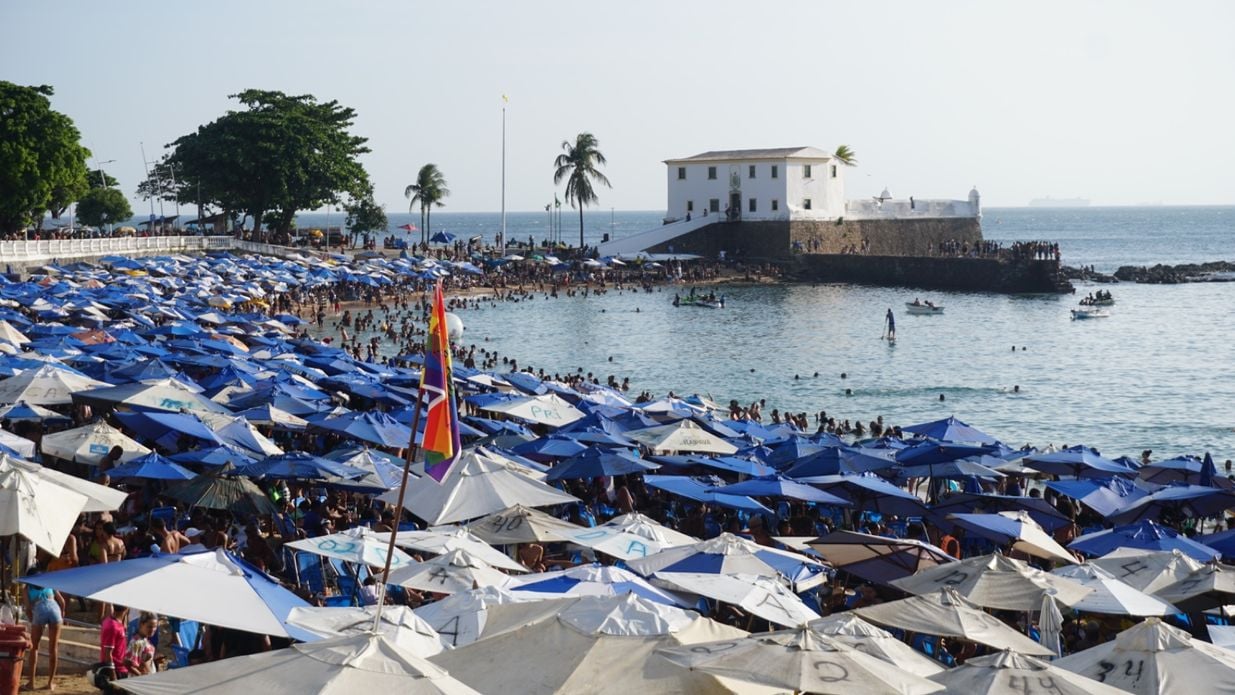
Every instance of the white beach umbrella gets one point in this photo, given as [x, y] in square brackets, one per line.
[12, 335]
[548, 409]
[595, 645]
[681, 436]
[520, 524]
[365, 663]
[1010, 673]
[358, 545]
[1111, 596]
[873, 640]
[588, 580]
[765, 597]
[729, 554]
[399, 624]
[169, 395]
[99, 498]
[460, 618]
[1153, 658]
[474, 487]
[1211, 586]
[1015, 528]
[995, 581]
[22, 446]
[445, 539]
[1050, 625]
[948, 614]
[1147, 571]
[37, 509]
[89, 444]
[802, 660]
[450, 573]
[47, 385]
[630, 536]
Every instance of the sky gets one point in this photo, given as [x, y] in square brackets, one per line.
[1122, 102]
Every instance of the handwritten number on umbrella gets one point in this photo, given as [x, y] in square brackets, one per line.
[713, 648]
[831, 672]
[953, 578]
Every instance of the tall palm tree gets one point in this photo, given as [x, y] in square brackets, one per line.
[428, 191]
[578, 165]
[845, 156]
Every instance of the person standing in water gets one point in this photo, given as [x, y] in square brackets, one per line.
[890, 328]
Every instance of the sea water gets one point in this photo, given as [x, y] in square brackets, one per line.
[1158, 374]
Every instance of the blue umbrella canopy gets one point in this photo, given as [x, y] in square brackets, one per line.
[869, 492]
[151, 467]
[834, 460]
[1193, 500]
[595, 463]
[781, 487]
[1078, 462]
[301, 466]
[22, 411]
[952, 430]
[592, 580]
[1105, 496]
[1143, 535]
[165, 429]
[370, 426]
[700, 489]
[550, 448]
[929, 451]
[1039, 509]
[791, 451]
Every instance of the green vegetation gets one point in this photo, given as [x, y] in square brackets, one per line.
[365, 215]
[278, 155]
[103, 206]
[845, 156]
[42, 162]
[579, 166]
[428, 191]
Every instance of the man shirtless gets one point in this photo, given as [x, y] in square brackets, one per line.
[170, 540]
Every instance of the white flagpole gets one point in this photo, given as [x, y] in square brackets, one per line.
[502, 246]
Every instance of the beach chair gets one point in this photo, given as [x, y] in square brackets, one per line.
[338, 602]
[187, 635]
[167, 514]
[309, 573]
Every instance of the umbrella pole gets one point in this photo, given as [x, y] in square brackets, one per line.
[394, 531]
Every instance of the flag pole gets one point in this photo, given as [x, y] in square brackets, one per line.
[502, 246]
[394, 529]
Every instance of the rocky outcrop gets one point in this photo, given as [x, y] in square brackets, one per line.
[1217, 271]
[966, 274]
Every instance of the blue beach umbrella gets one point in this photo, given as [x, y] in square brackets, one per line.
[595, 463]
[151, 467]
[300, 466]
[1223, 542]
[951, 430]
[24, 412]
[700, 489]
[930, 452]
[792, 451]
[781, 487]
[165, 429]
[1105, 496]
[590, 580]
[834, 460]
[549, 448]
[1193, 500]
[373, 427]
[1078, 462]
[1037, 508]
[216, 456]
[1143, 535]
[869, 492]
[948, 470]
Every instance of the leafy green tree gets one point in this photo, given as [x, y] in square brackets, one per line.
[42, 161]
[579, 165]
[845, 156]
[162, 184]
[97, 178]
[278, 155]
[103, 206]
[429, 190]
[364, 215]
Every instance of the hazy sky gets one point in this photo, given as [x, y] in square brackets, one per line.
[1121, 102]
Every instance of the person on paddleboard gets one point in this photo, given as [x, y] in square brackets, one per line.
[891, 321]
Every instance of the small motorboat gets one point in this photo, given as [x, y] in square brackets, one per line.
[1090, 313]
[923, 309]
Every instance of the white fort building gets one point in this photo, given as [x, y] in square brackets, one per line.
[786, 184]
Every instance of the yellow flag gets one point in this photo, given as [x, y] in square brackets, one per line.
[505, 99]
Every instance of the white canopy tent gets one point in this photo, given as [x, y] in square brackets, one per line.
[870, 639]
[1153, 658]
[47, 385]
[765, 597]
[995, 581]
[399, 624]
[356, 545]
[1147, 571]
[89, 444]
[449, 573]
[520, 524]
[684, 435]
[1010, 673]
[99, 498]
[460, 618]
[948, 614]
[37, 509]
[447, 538]
[1111, 596]
[548, 409]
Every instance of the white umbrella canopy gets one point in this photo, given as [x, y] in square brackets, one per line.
[22, 446]
[765, 597]
[450, 573]
[37, 509]
[460, 618]
[1009, 673]
[365, 663]
[520, 524]
[99, 498]
[169, 395]
[630, 536]
[684, 435]
[725, 554]
[802, 660]
[47, 385]
[597, 645]
[358, 545]
[548, 409]
[399, 624]
[1147, 571]
[875, 641]
[1018, 529]
[444, 539]
[1152, 657]
[1211, 586]
[474, 487]
[995, 581]
[11, 334]
[89, 444]
[588, 580]
[948, 614]
[1111, 596]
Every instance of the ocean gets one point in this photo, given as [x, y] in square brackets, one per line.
[1158, 374]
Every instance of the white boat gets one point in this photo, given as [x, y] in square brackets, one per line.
[923, 309]
[1098, 302]
[1088, 313]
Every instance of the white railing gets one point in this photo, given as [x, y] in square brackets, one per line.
[48, 250]
[646, 240]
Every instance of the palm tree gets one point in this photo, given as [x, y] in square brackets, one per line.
[428, 191]
[578, 165]
[845, 156]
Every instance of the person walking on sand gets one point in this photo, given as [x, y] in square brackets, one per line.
[46, 610]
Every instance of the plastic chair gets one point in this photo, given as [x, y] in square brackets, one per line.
[167, 514]
[309, 574]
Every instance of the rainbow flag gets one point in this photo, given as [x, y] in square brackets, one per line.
[441, 439]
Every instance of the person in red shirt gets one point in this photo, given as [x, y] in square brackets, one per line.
[113, 650]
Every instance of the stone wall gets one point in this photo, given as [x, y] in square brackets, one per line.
[772, 240]
[965, 274]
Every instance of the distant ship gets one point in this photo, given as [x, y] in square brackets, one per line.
[1049, 202]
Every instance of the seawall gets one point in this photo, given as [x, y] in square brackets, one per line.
[936, 273]
[781, 239]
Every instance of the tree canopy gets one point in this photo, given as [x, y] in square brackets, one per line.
[580, 164]
[845, 156]
[365, 215]
[429, 191]
[42, 161]
[102, 206]
[278, 155]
